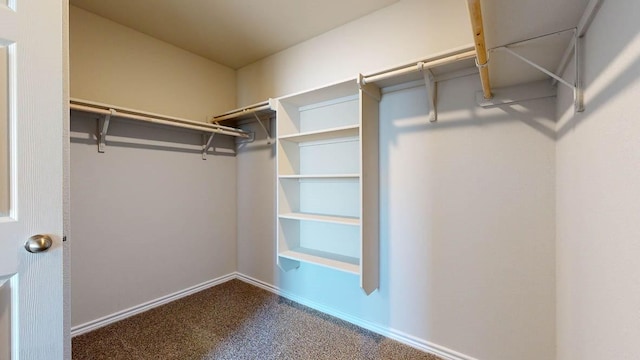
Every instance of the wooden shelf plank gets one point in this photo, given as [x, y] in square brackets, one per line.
[327, 134]
[330, 260]
[345, 220]
[322, 176]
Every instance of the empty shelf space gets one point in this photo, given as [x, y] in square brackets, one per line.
[320, 176]
[334, 261]
[327, 134]
[345, 220]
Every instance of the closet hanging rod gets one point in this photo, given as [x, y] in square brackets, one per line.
[245, 111]
[103, 109]
[428, 64]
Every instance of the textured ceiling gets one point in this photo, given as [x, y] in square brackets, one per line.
[234, 33]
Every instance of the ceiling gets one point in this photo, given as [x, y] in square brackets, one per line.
[234, 33]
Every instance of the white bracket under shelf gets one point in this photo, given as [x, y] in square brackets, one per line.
[103, 128]
[287, 264]
[432, 90]
[578, 97]
[266, 130]
[207, 142]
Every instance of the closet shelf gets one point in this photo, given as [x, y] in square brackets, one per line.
[344, 220]
[325, 134]
[110, 111]
[250, 112]
[322, 258]
[332, 170]
[320, 176]
[115, 111]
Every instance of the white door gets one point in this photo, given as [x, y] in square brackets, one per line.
[31, 177]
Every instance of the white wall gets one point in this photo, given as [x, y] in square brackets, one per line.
[467, 204]
[598, 172]
[467, 224]
[4, 136]
[5, 320]
[407, 31]
[149, 217]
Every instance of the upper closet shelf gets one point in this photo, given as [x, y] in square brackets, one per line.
[438, 66]
[250, 112]
[111, 111]
[443, 66]
[256, 112]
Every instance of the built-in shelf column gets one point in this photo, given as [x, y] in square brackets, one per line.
[327, 168]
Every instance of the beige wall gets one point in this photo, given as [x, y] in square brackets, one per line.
[407, 31]
[598, 195]
[149, 217]
[116, 65]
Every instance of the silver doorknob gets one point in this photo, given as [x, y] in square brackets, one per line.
[38, 243]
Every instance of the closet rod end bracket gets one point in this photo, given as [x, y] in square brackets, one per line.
[103, 128]
[207, 142]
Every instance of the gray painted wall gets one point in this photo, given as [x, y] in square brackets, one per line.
[467, 226]
[149, 217]
[598, 195]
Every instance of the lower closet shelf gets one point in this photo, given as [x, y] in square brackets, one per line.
[345, 220]
[331, 260]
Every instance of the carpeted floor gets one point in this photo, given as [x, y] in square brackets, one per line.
[236, 320]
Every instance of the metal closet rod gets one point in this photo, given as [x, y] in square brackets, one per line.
[95, 108]
[428, 64]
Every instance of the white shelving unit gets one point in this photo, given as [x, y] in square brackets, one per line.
[327, 166]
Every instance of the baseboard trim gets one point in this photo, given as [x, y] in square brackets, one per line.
[394, 334]
[120, 315]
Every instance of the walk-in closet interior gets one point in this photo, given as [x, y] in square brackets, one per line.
[459, 176]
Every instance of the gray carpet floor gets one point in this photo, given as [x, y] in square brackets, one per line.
[236, 320]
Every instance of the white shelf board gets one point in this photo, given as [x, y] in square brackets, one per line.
[320, 176]
[330, 260]
[327, 134]
[344, 220]
[323, 93]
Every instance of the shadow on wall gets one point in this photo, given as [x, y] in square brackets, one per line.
[466, 219]
[131, 134]
[604, 79]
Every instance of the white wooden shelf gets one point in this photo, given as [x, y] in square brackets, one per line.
[322, 258]
[321, 176]
[345, 220]
[327, 134]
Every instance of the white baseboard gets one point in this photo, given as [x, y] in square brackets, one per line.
[400, 336]
[120, 315]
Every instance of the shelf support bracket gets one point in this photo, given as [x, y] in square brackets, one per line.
[578, 91]
[103, 127]
[206, 144]
[432, 91]
[266, 131]
[576, 87]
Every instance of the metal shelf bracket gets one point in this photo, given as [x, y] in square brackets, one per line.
[207, 142]
[577, 86]
[103, 128]
[266, 130]
[432, 91]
